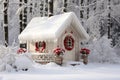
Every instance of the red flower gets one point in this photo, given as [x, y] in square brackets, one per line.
[58, 51]
[85, 51]
[21, 50]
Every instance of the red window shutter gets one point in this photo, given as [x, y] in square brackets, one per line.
[36, 46]
[43, 44]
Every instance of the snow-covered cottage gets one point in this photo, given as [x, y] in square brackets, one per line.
[47, 33]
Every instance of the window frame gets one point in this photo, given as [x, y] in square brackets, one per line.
[23, 45]
[69, 42]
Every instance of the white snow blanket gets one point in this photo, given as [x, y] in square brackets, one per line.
[51, 71]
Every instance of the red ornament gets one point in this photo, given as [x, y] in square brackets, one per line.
[85, 51]
[21, 50]
[58, 51]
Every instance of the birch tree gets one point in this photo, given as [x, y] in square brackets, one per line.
[50, 8]
[6, 2]
[109, 24]
[25, 15]
[65, 6]
[20, 16]
[45, 8]
[41, 8]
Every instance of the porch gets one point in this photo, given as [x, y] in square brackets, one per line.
[44, 58]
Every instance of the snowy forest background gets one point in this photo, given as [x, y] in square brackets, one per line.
[100, 18]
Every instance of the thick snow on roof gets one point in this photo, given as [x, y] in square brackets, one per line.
[50, 28]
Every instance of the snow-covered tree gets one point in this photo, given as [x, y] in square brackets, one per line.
[23, 62]
[102, 52]
[11, 61]
[20, 17]
[65, 6]
[7, 58]
[5, 11]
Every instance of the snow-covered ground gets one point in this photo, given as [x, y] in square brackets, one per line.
[51, 71]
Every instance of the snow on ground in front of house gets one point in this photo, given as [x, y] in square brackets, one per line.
[51, 71]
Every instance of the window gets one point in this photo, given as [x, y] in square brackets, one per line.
[40, 45]
[23, 45]
[69, 43]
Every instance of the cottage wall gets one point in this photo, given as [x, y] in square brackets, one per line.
[74, 53]
[31, 46]
[50, 45]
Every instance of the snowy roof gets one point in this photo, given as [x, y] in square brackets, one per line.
[50, 28]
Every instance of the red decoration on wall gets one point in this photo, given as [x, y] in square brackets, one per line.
[69, 42]
[40, 46]
[58, 51]
[36, 46]
[21, 50]
[85, 51]
[44, 44]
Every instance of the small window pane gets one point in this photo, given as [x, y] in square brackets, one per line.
[69, 43]
[23, 45]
